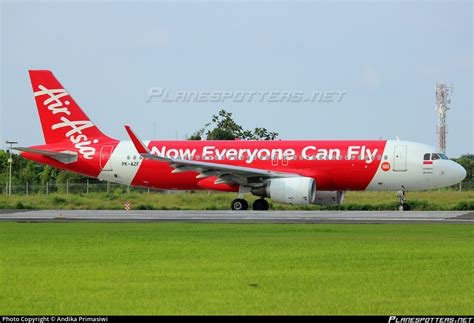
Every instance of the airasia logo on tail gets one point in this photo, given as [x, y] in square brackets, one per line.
[76, 127]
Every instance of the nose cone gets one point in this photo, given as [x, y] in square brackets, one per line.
[458, 172]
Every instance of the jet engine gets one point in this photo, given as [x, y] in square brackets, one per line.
[329, 197]
[292, 190]
[298, 191]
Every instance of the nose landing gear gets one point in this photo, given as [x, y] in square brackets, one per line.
[402, 206]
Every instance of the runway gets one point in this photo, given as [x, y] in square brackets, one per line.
[458, 217]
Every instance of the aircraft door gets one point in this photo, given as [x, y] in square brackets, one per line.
[400, 158]
[105, 160]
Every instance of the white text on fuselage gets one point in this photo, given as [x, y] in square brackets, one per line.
[249, 154]
[75, 134]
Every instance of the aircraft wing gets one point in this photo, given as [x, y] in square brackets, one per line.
[228, 174]
[65, 157]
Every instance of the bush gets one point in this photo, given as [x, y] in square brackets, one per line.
[145, 207]
[111, 197]
[21, 206]
[464, 206]
[419, 205]
[58, 200]
[119, 191]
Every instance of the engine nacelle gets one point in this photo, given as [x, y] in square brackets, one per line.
[292, 190]
[329, 197]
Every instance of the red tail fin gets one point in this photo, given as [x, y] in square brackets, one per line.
[61, 118]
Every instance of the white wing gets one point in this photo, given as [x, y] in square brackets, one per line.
[228, 174]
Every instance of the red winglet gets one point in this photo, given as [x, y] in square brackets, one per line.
[141, 148]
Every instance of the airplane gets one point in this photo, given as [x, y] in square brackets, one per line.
[295, 172]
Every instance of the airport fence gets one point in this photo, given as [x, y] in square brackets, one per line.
[73, 187]
[86, 187]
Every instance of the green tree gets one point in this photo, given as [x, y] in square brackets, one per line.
[467, 161]
[28, 173]
[199, 134]
[48, 175]
[264, 134]
[225, 128]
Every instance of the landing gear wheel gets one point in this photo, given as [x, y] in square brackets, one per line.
[260, 205]
[402, 206]
[239, 205]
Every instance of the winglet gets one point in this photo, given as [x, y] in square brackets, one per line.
[139, 145]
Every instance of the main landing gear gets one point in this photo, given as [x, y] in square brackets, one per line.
[402, 206]
[260, 205]
[241, 204]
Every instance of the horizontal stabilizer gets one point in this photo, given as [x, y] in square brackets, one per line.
[65, 157]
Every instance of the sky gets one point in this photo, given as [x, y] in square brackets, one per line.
[385, 57]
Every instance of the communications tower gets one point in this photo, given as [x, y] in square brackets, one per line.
[442, 102]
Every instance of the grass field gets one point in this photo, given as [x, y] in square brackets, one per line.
[171, 268]
[429, 200]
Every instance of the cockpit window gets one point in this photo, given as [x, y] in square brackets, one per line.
[434, 156]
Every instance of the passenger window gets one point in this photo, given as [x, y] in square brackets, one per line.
[426, 156]
[434, 156]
